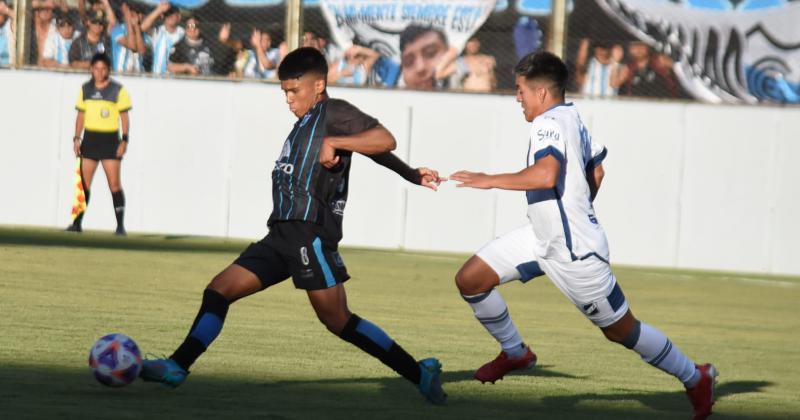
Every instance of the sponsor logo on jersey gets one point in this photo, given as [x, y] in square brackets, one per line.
[105, 112]
[284, 167]
[548, 134]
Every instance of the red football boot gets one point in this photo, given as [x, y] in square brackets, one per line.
[702, 395]
[502, 364]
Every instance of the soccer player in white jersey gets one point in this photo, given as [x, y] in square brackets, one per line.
[563, 239]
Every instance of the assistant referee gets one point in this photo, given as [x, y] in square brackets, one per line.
[102, 106]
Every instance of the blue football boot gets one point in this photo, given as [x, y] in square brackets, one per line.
[430, 383]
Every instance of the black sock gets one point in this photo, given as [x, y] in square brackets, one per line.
[371, 339]
[205, 328]
[119, 206]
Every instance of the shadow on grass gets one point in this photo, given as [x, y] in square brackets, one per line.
[107, 240]
[33, 392]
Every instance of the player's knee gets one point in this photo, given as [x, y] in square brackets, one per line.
[469, 282]
[333, 321]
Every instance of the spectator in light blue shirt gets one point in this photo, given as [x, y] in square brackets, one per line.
[165, 36]
[7, 40]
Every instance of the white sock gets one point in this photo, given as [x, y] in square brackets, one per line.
[656, 349]
[491, 310]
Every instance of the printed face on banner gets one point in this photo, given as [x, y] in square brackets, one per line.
[385, 25]
[724, 51]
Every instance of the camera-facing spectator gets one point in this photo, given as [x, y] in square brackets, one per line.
[95, 6]
[90, 43]
[43, 29]
[7, 40]
[166, 36]
[56, 50]
[354, 67]
[192, 54]
[128, 44]
[473, 71]
[600, 74]
[645, 75]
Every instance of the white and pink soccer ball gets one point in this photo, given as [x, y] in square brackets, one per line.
[115, 360]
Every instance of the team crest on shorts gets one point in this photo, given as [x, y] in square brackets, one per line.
[590, 309]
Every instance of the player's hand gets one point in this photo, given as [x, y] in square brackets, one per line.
[430, 178]
[327, 155]
[472, 179]
[123, 146]
[76, 147]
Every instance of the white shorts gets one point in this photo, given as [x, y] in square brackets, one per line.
[588, 283]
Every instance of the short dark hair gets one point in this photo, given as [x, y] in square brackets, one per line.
[412, 32]
[543, 65]
[304, 60]
[101, 57]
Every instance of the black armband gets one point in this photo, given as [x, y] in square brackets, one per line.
[391, 161]
[125, 137]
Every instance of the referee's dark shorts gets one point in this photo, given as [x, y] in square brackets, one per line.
[98, 145]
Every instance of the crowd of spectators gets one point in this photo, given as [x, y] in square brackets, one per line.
[611, 70]
[166, 40]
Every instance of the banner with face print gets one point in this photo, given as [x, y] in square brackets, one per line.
[743, 51]
[406, 33]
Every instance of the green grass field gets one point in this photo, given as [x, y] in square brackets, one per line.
[60, 292]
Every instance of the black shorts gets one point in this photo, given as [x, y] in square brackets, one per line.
[97, 145]
[297, 249]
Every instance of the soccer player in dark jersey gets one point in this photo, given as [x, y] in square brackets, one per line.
[309, 191]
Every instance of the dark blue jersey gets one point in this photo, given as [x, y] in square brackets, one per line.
[303, 189]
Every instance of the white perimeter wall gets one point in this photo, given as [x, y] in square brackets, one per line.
[687, 185]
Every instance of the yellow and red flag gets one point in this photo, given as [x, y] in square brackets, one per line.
[79, 203]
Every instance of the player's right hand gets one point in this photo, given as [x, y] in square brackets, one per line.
[76, 147]
[327, 155]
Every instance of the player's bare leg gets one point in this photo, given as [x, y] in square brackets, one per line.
[233, 283]
[330, 306]
[477, 283]
[655, 348]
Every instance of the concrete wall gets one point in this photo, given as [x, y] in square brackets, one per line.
[687, 185]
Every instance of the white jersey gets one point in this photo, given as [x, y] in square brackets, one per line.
[163, 45]
[563, 218]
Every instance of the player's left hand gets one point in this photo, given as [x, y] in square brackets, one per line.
[430, 178]
[472, 179]
[123, 146]
[327, 155]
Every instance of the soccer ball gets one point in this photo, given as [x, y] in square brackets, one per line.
[115, 360]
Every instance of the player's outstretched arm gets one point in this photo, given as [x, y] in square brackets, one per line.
[369, 142]
[426, 177]
[541, 175]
